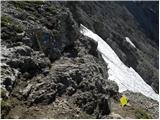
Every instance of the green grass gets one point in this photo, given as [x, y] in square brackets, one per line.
[3, 92]
[140, 114]
[8, 103]
[14, 25]
[10, 28]
[17, 28]
[5, 104]
[4, 20]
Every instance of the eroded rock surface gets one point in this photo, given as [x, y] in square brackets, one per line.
[49, 70]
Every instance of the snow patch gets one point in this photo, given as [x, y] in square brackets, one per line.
[130, 42]
[126, 77]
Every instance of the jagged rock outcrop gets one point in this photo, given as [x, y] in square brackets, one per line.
[79, 76]
[45, 59]
[77, 69]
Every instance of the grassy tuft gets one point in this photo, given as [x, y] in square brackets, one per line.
[17, 28]
[5, 104]
[140, 114]
[4, 20]
[3, 92]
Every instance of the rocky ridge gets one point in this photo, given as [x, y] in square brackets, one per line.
[46, 59]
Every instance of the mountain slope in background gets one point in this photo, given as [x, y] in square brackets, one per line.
[50, 70]
[114, 22]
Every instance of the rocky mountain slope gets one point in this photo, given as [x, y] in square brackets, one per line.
[50, 70]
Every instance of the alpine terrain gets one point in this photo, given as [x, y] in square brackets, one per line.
[79, 59]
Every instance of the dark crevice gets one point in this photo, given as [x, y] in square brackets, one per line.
[70, 51]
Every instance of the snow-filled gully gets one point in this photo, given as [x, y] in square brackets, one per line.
[126, 77]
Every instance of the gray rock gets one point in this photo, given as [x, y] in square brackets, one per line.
[114, 116]
[84, 81]
[111, 88]
[23, 58]
[23, 50]
[70, 91]
[42, 95]
[8, 76]
[77, 69]
[104, 105]
[27, 90]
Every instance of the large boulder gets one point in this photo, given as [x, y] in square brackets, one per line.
[24, 59]
[61, 32]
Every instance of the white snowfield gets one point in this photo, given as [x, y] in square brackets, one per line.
[130, 42]
[126, 77]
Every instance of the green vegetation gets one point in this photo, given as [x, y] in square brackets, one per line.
[9, 31]
[25, 4]
[4, 20]
[17, 28]
[5, 107]
[9, 28]
[14, 25]
[5, 104]
[18, 4]
[3, 92]
[131, 111]
[140, 114]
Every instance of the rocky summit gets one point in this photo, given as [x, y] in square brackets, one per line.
[49, 69]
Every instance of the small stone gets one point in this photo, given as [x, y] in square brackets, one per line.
[27, 90]
[70, 91]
